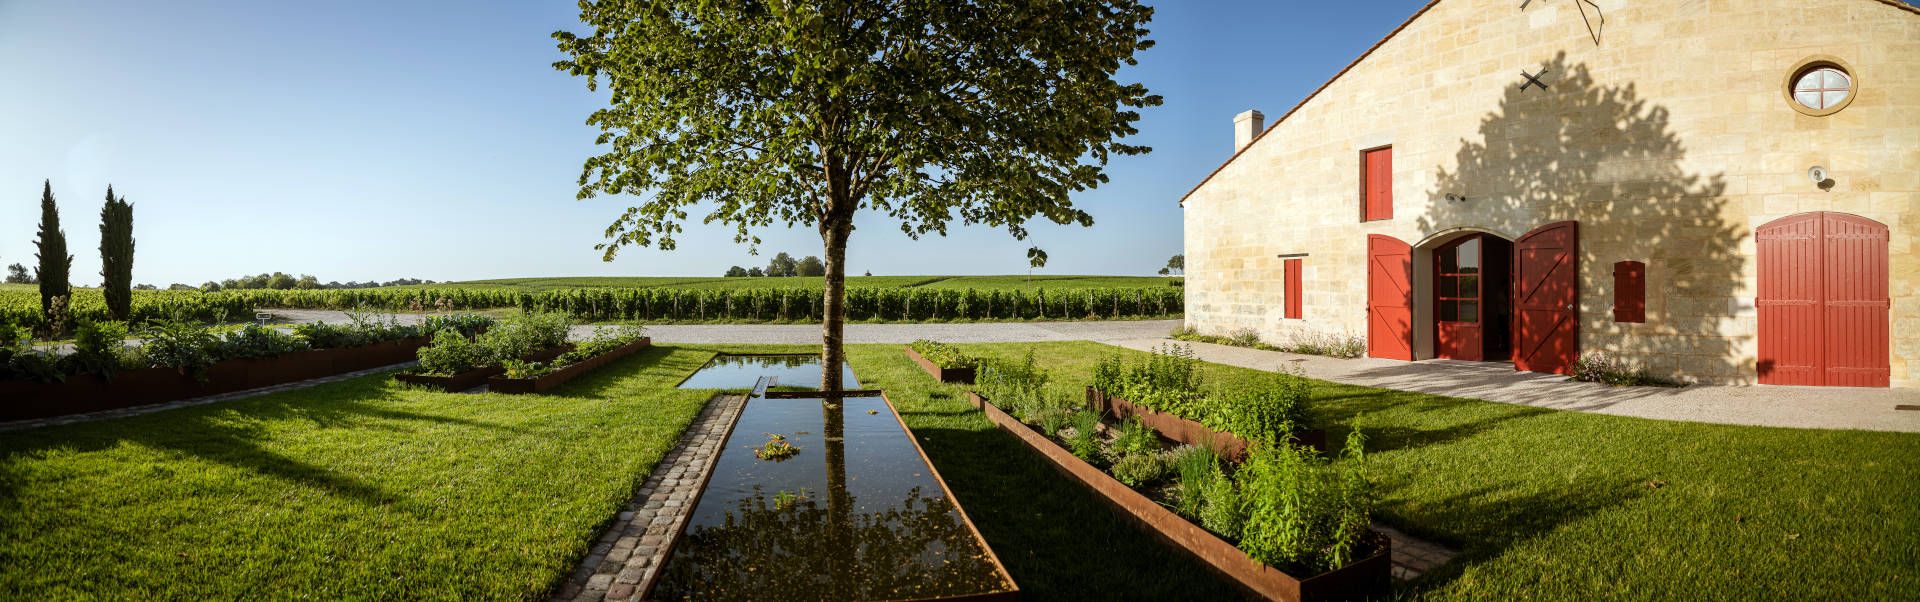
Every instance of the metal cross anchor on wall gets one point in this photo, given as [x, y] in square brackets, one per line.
[1533, 79]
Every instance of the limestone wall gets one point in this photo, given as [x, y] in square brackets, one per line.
[1670, 141]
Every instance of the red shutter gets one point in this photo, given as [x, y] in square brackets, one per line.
[1379, 187]
[1293, 289]
[1630, 291]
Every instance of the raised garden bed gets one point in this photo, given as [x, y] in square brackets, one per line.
[1363, 578]
[79, 394]
[539, 384]
[1191, 432]
[945, 375]
[477, 376]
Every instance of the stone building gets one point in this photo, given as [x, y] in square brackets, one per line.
[1709, 190]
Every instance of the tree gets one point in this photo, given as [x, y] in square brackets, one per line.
[209, 286]
[1175, 265]
[177, 286]
[804, 113]
[755, 273]
[307, 282]
[281, 281]
[17, 274]
[56, 292]
[116, 255]
[810, 266]
[783, 265]
[736, 272]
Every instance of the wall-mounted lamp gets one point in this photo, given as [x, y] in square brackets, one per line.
[1820, 177]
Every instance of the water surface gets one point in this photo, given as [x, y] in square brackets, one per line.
[852, 517]
[740, 371]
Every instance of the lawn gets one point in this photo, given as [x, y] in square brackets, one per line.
[351, 490]
[361, 489]
[1549, 504]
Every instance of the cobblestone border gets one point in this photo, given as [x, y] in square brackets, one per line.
[626, 558]
[1413, 557]
[197, 401]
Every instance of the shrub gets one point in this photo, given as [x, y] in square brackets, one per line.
[1139, 469]
[1136, 438]
[1598, 367]
[520, 336]
[182, 345]
[1085, 443]
[1195, 466]
[255, 340]
[1013, 385]
[1051, 422]
[1302, 511]
[1169, 381]
[19, 360]
[466, 324]
[1244, 337]
[451, 353]
[1344, 346]
[1268, 412]
[1221, 511]
[943, 355]
[520, 369]
[96, 349]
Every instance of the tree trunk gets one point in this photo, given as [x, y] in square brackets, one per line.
[833, 315]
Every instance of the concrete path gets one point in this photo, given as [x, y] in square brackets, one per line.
[1763, 405]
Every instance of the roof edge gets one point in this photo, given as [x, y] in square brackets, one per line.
[1316, 92]
[1899, 4]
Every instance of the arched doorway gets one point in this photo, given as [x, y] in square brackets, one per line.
[1823, 301]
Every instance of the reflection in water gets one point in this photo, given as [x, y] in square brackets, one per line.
[740, 372]
[879, 528]
[918, 549]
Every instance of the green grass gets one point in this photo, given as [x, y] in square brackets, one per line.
[360, 489]
[351, 490]
[1548, 504]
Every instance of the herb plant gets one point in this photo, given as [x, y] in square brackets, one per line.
[943, 355]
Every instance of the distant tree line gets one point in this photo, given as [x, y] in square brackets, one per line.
[782, 265]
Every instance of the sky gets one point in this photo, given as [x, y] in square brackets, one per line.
[362, 140]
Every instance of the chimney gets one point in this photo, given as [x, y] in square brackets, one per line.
[1246, 126]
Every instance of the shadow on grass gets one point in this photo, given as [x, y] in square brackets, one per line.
[1057, 540]
[1503, 519]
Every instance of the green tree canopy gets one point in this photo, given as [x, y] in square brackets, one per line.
[116, 255]
[55, 262]
[783, 265]
[764, 112]
[810, 266]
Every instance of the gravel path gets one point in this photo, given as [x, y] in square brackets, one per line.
[800, 334]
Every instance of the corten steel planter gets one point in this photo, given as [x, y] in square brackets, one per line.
[477, 376]
[539, 384]
[1191, 432]
[79, 394]
[946, 375]
[1364, 578]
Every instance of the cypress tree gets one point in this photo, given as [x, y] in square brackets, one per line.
[116, 255]
[54, 262]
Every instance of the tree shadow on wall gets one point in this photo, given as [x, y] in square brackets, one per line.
[1608, 158]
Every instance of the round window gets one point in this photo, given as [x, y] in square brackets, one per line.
[1821, 86]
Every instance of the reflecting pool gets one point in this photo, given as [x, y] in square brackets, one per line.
[855, 514]
[741, 371]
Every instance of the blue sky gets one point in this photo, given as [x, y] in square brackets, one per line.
[375, 140]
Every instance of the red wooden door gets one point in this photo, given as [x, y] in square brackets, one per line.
[1823, 301]
[1546, 269]
[1389, 298]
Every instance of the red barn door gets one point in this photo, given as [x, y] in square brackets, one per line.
[1823, 301]
[1389, 298]
[1546, 269]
